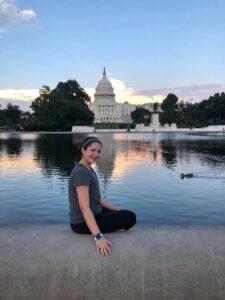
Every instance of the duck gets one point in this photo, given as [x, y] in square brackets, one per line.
[188, 175]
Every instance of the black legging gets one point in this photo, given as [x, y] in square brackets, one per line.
[108, 221]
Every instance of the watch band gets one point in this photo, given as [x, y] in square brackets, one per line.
[98, 236]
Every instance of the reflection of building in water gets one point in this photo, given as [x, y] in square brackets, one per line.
[106, 163]
[156, 150]
[121, 155]
[107, 110]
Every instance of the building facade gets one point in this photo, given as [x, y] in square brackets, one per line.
[105, 107]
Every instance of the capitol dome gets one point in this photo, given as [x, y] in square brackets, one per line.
[104, 106]
[104, 86]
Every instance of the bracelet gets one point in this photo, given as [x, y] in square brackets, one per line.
[98, 236]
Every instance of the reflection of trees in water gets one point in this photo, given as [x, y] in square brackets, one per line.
[211, 152]
[56, 153]
[169, 149]
[13, 147]
[1, 147]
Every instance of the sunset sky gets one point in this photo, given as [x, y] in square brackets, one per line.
[149, 48]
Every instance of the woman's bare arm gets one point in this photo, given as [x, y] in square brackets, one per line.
[103, 246]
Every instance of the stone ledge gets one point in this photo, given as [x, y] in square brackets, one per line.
[148, 262]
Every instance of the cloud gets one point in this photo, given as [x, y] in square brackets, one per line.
[23, 105]
[124, 93]
[20, 97]
[20, 94]
[11, 15]
[196, 92]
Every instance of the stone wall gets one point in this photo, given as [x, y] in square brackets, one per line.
[147, 262]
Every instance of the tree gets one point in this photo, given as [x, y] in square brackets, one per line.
[204, 113]
[13, 114]
[61, 108]
[169, 103]
[44, 91]
[140, 114]
[169, 106]
[2, 117]
[71, 90]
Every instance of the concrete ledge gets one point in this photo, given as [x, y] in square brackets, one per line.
[148, 262]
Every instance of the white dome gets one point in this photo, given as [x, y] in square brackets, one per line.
[104, 86]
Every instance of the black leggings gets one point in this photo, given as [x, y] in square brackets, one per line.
[108, 221]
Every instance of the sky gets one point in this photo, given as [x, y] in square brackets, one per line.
[149, 48]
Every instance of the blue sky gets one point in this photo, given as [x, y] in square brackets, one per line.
[149, 48]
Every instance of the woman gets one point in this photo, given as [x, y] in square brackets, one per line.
[89, 214]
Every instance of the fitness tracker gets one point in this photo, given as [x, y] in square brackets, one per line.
[98, 236]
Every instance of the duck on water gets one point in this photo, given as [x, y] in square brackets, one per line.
[188, 175]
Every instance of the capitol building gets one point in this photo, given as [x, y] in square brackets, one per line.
[105, 107]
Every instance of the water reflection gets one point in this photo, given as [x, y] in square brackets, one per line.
[106, 164]
[169, 153]
[57, 153]
[141, 169]
[13, 147]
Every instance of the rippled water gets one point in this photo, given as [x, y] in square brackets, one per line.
[136, 171]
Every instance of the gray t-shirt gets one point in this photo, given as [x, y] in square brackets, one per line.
[81, 175]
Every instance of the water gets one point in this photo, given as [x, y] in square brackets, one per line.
[136, 171]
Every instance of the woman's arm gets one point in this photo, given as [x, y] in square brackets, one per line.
[103, 246]
[108, 205]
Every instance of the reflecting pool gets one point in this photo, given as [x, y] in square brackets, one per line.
[136, 171]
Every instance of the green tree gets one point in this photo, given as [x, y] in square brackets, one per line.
[169, 107]
[61, 108]
[204, 113]
[13, 114]
[44, 91]
[140, 115]
[2, 117]
[169, 103]
[71, 90]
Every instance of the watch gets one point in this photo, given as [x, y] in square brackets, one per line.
[98, 236]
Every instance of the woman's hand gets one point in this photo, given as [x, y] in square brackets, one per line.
[108, 205]
[115, 208]
[103, 246]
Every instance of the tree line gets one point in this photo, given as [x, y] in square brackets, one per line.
[186, 114]
[57, 109]
[67, 105]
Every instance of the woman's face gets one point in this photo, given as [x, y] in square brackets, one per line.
[92, 153]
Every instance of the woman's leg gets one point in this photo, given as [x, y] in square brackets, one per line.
[109, 221]
[80, 228]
